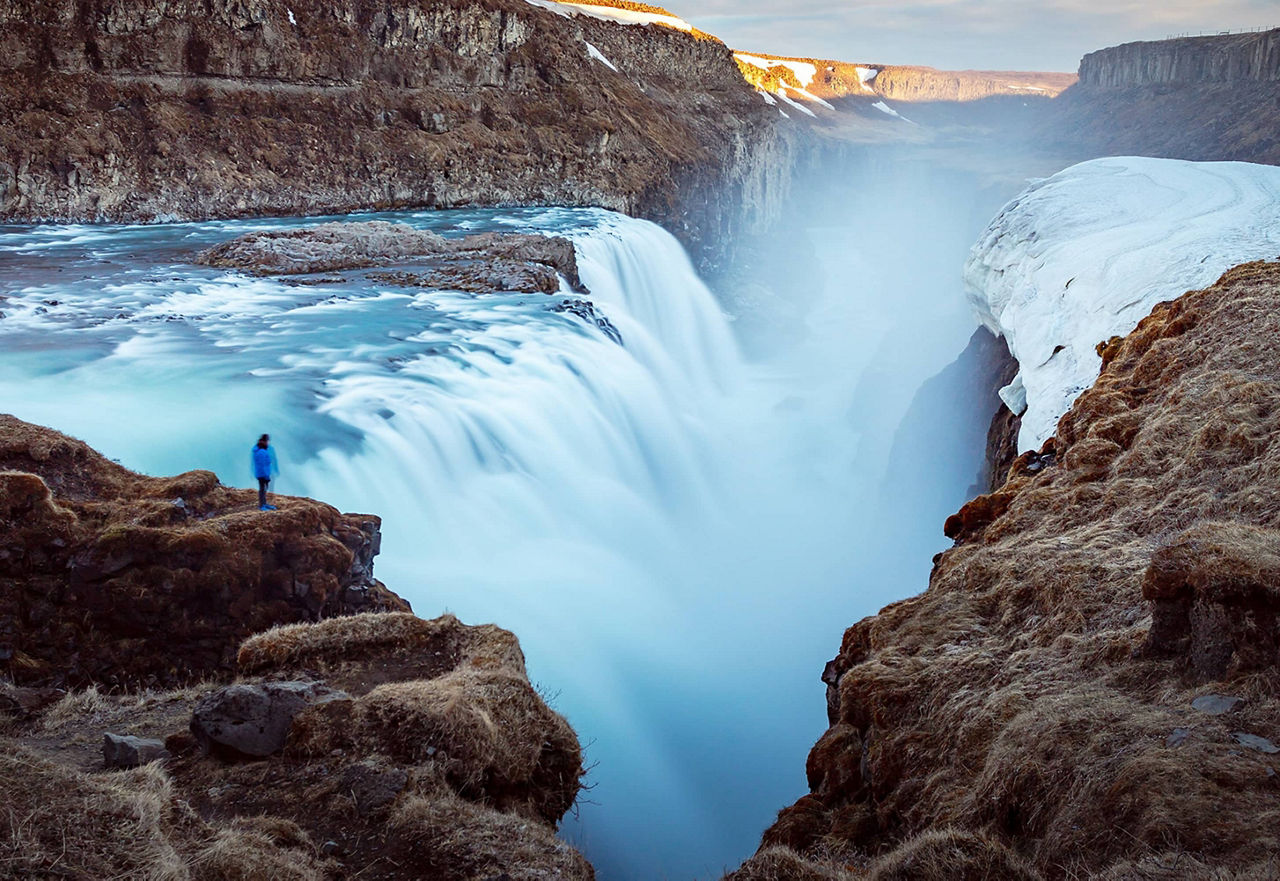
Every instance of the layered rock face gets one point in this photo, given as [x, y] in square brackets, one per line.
[376, 746]
[139, 111]
[1191, 98]
[107, 576]
[1231, 58]
[1089, 684]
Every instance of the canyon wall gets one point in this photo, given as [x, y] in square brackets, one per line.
[179, 110]
[1200, 98]
[1229, 58]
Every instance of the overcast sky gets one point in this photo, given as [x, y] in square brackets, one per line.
[959, 34]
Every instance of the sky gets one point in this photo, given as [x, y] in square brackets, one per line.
[963, 34]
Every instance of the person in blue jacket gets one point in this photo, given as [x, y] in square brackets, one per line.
[264, 468]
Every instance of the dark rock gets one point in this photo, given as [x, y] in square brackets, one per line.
[126, 751]
[253, 720]
[1177, 737]
[1253, 741]
[1217, 704]
[373, 789]
[586, 310]
[23, 703]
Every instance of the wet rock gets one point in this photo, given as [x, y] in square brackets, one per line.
[1253, 741]
[253, 720]
[1217, 704]
[586, 310]
[126, 751]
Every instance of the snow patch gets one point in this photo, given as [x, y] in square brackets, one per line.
[807, 95]
[292, 20]
[1084, 256]
[610, 13]
[865, 76]
[599, 56]
[885, 108]
[782, 93]
[768, 99]
[804, 71]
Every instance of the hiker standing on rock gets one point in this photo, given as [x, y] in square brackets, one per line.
[264, 468]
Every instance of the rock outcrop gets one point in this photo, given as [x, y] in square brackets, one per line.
[485, 262]
[110, 577]
[420, 751]
[114, 110]
[1190, 98]
[1088, 686]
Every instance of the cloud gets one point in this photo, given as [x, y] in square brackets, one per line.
[1004, 34]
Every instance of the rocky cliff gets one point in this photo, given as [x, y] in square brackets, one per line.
[139, 111]
[114, 578]
[1229, 58]
[1192, 98]
[1088, 686]
[329, 745]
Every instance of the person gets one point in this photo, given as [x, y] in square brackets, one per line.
[264, 468]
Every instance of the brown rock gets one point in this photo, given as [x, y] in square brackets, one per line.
[104, 578]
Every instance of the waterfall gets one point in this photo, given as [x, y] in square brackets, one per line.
[678, 535]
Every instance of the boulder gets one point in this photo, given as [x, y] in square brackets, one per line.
[253, 720]
[126, 751]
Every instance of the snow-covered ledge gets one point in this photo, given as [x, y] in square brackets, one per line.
[1085, 255]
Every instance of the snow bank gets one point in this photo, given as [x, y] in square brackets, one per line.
[865, 76]
[599, 56]
[804, 71]
[1084, 256]
[610, 13]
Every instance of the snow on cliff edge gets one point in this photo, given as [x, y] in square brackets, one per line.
[1084, 255]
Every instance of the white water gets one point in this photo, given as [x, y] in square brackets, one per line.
[677, 536]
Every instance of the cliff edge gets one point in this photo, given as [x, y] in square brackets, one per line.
[191, 688]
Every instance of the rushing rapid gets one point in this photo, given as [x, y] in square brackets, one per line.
[677, 534]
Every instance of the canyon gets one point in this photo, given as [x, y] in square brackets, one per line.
[1108, 575]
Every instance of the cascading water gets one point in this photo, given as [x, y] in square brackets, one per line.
[672, 531]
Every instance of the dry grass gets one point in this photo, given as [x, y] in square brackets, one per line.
[778, 863]
[951, 855]
[458, 839]
[489, 733]
[1026, 698]
[61, 823]
[358, 652]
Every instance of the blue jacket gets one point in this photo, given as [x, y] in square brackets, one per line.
[264, 463]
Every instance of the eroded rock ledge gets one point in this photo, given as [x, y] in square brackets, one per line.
[110, 577]
[484, 262]
[1089, 684]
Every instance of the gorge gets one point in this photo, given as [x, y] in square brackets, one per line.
[676, 477]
